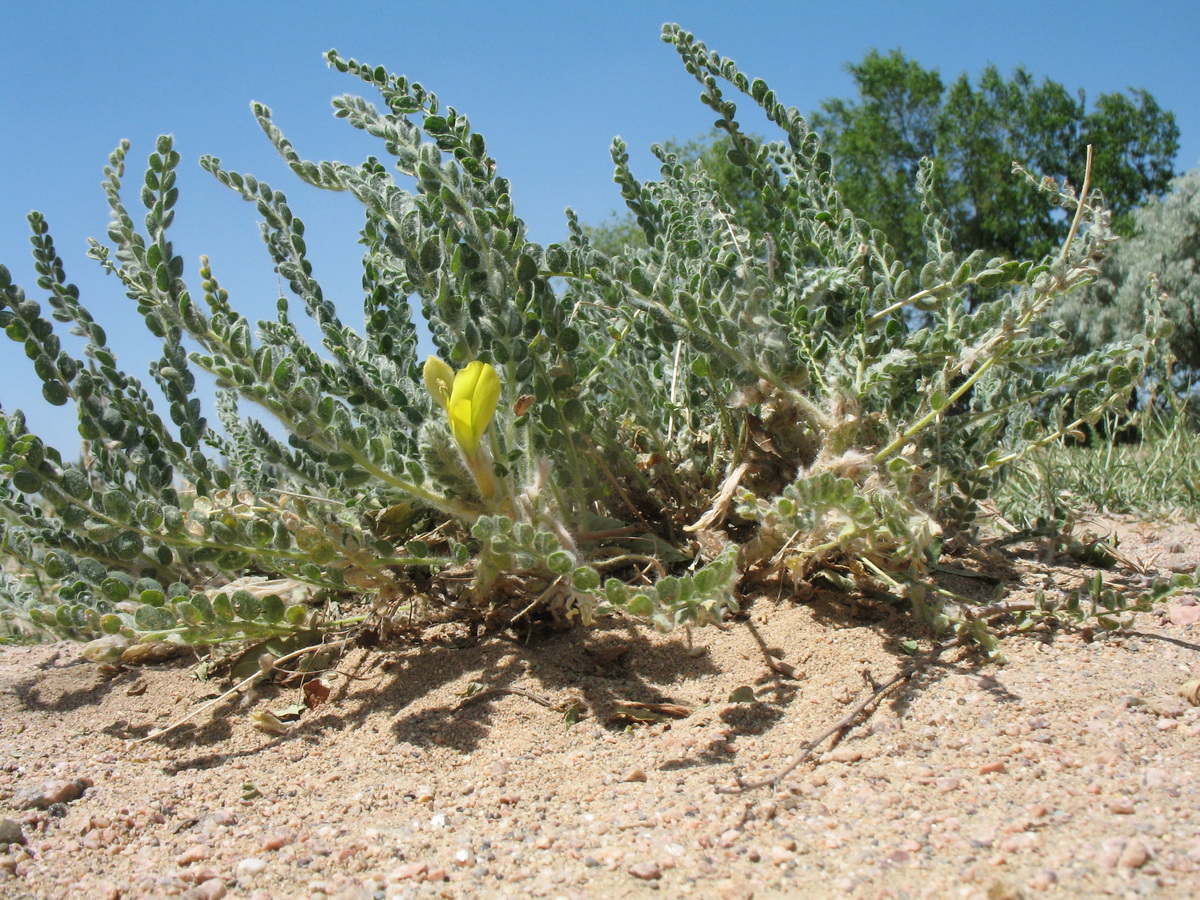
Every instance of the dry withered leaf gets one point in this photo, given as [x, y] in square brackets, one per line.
[316, 692]
[523, 403]
[659, 710]
[290, 713]
[608, 653]
[268, 722]
[630, 712]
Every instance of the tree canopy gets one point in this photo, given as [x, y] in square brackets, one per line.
[974, 130]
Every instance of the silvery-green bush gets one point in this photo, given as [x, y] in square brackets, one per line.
[1165, 247]
[664, 423]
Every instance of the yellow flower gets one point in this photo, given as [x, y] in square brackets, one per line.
[469, 397]
[439, 378]
[472, 404]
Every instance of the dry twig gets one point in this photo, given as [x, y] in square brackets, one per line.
[863, 708]
[240, 686]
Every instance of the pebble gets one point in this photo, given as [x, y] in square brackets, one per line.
[646, 871]
[276, 840]
[250, 867]
[50, 792]
[1108, 855]
[213, 889]
[1043, 880]
[1134, 855]
[638, 774]
[10, 832]
[1183, 615]
[192, 854]
[407, 872]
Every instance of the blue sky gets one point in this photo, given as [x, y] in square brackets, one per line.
[549, 84]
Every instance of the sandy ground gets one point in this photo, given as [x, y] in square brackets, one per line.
[1070, 771]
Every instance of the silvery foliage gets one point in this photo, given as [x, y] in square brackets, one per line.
[717, 406]
[1165, 247]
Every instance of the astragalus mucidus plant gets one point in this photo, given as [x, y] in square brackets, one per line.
[633, 431]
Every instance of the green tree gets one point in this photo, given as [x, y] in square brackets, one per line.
[1165, 247]
[879, 141]
[975, 131]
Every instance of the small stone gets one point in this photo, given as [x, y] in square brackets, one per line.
[734, 890]
[198, 876]
[845, 755]
[50, 792]
[276, 840]
[1183, 615]
[192, 854]
[646, 871]
[638, 774]
[948, 783]
[225, 817]
[993, 768]
[213, 889]
[250, 866]
[1109, 854]
[1044, 880]
[410, 871]
[781, 855]
[1135, 855]
[1122, 807]
[1169, 707]
[10, 832]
